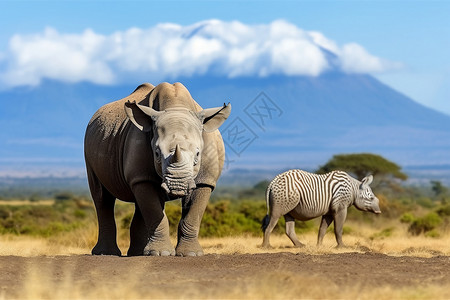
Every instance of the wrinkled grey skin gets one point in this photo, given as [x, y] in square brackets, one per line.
[300, 195]
[153, 146]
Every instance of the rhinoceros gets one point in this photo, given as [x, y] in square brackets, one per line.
[154, 146]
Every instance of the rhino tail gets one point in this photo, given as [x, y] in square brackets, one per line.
[266, 220]
[265, 223]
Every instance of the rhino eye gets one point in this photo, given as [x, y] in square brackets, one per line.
[197, 155]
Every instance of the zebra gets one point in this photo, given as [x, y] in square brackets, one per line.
[297, 194]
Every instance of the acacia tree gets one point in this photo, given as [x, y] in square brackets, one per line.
[363, 164]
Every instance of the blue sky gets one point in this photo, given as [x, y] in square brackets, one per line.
[406, 42]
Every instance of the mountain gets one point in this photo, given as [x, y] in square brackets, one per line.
[277, 122]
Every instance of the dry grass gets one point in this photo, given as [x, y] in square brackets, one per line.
[39, 284]
[273, 285]
[19, 202]
[391, 238]
[366, 239]
[395, 246]
[28, 246]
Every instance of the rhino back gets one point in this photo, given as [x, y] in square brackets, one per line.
[105, 139]
[110, 137]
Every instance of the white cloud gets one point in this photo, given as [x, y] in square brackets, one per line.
[355, 59]
[52, 55]
[168, 51]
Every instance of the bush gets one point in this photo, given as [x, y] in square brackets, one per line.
[407, 218]
[391, 208]
[173, 213]
[425, 224]
[80, 214]
[426, 202]
[444, 211]
[387, 232]
[433, 234]
[220, 219]
[42, 220]
[64, 196]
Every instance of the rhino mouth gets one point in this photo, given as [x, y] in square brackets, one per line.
[176, 188]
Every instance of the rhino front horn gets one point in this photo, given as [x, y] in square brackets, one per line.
[176, 157]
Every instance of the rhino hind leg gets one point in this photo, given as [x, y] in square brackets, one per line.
[324, 224]
[290, 231]
[272, 223]
[104, 205]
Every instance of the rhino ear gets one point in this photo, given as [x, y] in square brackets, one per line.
[141, 115]
[366, 181]
[213, 118]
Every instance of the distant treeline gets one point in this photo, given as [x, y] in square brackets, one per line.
[45, 187]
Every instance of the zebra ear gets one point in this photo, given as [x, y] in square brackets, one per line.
[366, 181]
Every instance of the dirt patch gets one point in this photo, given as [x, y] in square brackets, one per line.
[221, 276]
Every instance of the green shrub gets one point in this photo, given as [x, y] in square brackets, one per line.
[43, 220]
[4, 213]
[64, 196]
[173, 213]
[407, 218]
[426, 202]
[433, 234]
[425, 224]
[307, 226]
[444, 211]
[345, 229]
[387, 232]
[80, 214]
[224, 219]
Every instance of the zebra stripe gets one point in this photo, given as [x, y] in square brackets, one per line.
[300, 195]
[314, 193]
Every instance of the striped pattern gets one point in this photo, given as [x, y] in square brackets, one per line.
[299, 195]
[314, 194]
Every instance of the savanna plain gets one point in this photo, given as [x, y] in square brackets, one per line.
[404, 253]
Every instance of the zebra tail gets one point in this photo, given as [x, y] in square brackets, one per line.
[269, 187]
[265, 223]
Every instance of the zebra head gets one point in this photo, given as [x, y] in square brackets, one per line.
[365, 199]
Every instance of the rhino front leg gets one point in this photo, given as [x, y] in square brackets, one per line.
[159, 241]
[150, 199]
[324, 224]
[193, 208]
[138, 234]
[339, 219]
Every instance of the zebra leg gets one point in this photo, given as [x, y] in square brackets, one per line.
[324, 224]
[339, 219]
[290, 231]
[272, 223]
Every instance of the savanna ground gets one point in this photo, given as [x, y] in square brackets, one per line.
[48, 258]
[233, 267]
